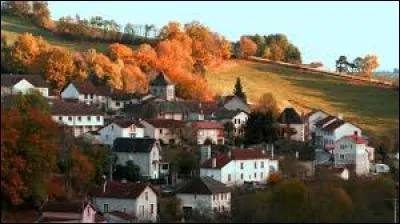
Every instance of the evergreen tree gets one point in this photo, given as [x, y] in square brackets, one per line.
[260, 127]
[238, 91]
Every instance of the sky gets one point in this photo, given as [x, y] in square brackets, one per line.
[322, 30]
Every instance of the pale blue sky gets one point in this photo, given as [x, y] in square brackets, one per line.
[322, 30]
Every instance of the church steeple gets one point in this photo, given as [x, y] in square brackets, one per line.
[162, 87]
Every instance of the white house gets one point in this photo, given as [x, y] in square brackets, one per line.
[120, 128]
[70, 212]
[353, 150]
[81, 118]
[289, 118]
[331, 129]
[238, 166]
[234, 103]
[310, 121]
[13, 84]
[205, 195]
[130, 198]
[85, 92]
[118, 99]
[238, 119]
[209, 130]
[162, 129]
[162, 87]
[143, 152]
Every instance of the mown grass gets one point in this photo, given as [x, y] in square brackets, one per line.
[12, 27]
[373, 108]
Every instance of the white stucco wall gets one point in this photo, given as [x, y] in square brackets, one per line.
[23, 87]
[347, 152]
[82, 125]
[112, 131]
[203, 134]
[239, 121]
[70, 92]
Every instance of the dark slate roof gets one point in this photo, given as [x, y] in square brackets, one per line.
[87, 87]
[322, 122]
[289, 115]
[64, 206]
[123, 215]
[60, 108]
[115, 189]
[135, 145]
[160, 80]
[205, 107]
[124, 96]
[165, 123]
[9, 80]
[332, 126]
[151, 109]
[203, 185]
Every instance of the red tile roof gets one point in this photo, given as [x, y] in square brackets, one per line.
[207, 125]
[59, 107]
[236, 154]
[165, 123]
[357, 139]
[332, 126]
[116, 189]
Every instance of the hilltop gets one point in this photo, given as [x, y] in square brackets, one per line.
[373, 108]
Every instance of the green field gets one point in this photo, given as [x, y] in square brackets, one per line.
[12, 27]
[373, 108]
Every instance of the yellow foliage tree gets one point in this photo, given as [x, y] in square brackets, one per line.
[133, 80]
[247, 47]
[58, 66]
[370, 63]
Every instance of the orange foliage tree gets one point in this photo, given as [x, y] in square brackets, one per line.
[119, 51]
[133, 80]
[145, 57]
[28, 153]
[82, 170]
[247, 47]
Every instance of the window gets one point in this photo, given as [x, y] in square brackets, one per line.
[151, 208]
[146, 196]
[195, 196]
[261, 175]
[89, 118]
[160, 130]
[341, 156]
[255, 175]
[255, 165]
[241, 166]
[79, 118]
[117, 104]
[262, 164]
[98, 118]
[60, 118]
[229, 178]
[112, 127]
[105, 207]
[70, 118]
[213, 197]
[241, 176]
[91, 96]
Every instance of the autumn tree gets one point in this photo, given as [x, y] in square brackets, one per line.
[267, 102]
[19, 8]
[370, 63]
[119, 51]
[247, 47]
[81, 170]
[133, 80]
[276, 52]
[145, 57]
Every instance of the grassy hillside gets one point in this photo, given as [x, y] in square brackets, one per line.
[373, 108]
[13, 26]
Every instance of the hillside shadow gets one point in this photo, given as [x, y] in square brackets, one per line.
[368, 101]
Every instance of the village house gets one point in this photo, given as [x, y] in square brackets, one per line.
[209, 130]
[86, 92]
[81, 118]
[120, 128]
[156, 110]
[126, 201]
[331, 129]
[162, 87]
[234, 103]
[353, 150]
[117, 99]
[14, 84]
[290, 121]
[70, 212]
[239, 166]
[238, 119]
[200, 110]
[310, 121]
[143, 152]
[205, 195]
[166, 131]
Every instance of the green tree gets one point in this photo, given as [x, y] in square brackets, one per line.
[293, 54]
[238, 91]
[229, 128]
[129, 172]
[359, 63]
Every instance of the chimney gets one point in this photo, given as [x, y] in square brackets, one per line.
[340, 116]
[104, 186]
[214, 162]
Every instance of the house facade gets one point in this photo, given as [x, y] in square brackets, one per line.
[331, 129]
[290, 121]
[127, 199]
[24, 84]
[121, 128]
[79, 117]
[143, 152]
[209, 130]
[69, 212]
[205, 195]
[310, 121]
[164, 130]
[238, 119]
[118, 99]
[353, 150]
[239, 166]
[85, 92]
